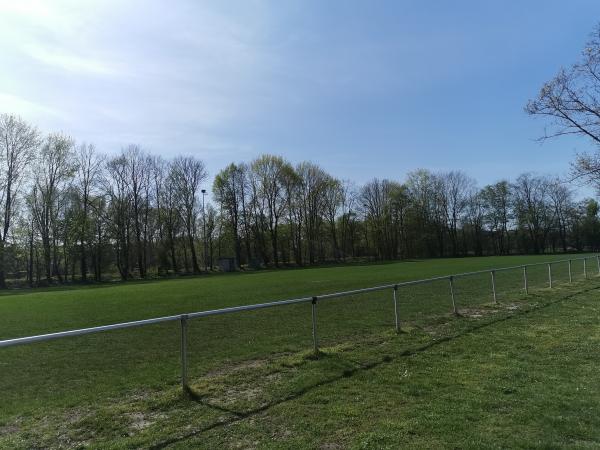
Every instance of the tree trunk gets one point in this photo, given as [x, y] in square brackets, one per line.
[99, 255]
[172, 251]
[47, 259]
[2, 266]
[30, 265]
[275, 250]
[195, 266]
[84, 268]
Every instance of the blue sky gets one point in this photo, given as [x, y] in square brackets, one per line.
[364, 88]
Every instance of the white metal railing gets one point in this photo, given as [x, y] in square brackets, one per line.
[183, 318]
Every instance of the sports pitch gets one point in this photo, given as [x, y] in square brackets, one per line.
[521, 372]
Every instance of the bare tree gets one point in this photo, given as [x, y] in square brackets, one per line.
[228, 191]
[312, 184]
[54, 171]
[474, 218]
[571, 101]
[295, 214]
[270, 174]
[188, 174]
[138, 181]
[116, 186]
[348, 218]
[159, 175]
[533, 210]
[89, 174]
[384, 207]
[18, 143]
[424, 191]
[170, 215]
[458, 189]
[100, 220]
[562, 202]
[498, 213]
[333, 201]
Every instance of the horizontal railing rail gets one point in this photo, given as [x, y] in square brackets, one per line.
[183, 318]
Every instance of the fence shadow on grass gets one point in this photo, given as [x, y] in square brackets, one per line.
[349, 368]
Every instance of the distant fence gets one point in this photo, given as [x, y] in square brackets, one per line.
[314, 300]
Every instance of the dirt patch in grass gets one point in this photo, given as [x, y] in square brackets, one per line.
[243, 392]
[10, 428]
[477, 313]
[512, 307]
[238, 367]
[330, 446]
[436, 329]
[140, 420]
[74, 415]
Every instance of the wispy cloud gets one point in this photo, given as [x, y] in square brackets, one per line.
[14, 104]
[60, 59]
[131, 67]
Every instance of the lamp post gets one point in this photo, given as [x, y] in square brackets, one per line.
[204, 231]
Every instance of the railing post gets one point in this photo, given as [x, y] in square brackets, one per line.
[451, 279]
[525, 280]
[550, 275]
[585, 268]
[396, 309]
[493, 273]
[570, 273]
[184, 363]
[314, 325]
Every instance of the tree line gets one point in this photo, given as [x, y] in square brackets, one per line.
[69, 212]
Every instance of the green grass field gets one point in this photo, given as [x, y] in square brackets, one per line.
[520, 372]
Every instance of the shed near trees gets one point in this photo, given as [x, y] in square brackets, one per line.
[227, 264]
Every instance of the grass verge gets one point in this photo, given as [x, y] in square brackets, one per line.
[519, 374]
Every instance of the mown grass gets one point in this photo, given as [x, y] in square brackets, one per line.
[254, 382]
